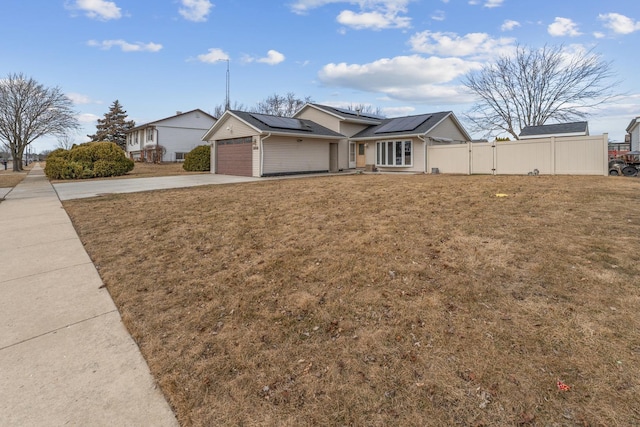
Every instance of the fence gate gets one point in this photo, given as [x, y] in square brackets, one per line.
[483, 158]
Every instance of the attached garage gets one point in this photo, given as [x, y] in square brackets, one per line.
[234, 156]
[252, 144]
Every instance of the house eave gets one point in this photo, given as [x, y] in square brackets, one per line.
[633, 124]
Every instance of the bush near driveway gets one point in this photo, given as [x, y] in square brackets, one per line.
[90, 160]
[198, 159]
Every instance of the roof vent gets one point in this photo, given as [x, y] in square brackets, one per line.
[178, 113]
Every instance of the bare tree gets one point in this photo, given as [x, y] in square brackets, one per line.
[66, 140]
[28, 111]
[283, 106]
[366, 109]
[219, 110]
[537, 85]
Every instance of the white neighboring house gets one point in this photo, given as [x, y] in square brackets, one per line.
[633, 130]
[168, 139]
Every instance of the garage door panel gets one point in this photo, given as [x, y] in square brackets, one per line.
[234, 157]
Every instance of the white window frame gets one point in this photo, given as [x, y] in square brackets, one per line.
[150, 134]
[385, 156]
[352, 152]
[180, 154]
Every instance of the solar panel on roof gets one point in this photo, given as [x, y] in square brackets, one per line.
[403, 124]
[281, 122]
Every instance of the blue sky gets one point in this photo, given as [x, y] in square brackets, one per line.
[405, 57]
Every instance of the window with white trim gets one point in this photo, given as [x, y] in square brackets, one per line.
[180, 157]
[352, 152]
[394, 153]
[149, 134]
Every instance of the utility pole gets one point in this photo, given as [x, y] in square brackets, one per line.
[227, 100]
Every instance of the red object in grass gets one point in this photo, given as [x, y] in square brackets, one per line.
[562, 386]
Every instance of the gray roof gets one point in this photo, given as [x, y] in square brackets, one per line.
[303, 126]
[424, 126]
[559, 128]
[178, 114]
[350, 115]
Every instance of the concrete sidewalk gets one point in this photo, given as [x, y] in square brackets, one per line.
[65, 356]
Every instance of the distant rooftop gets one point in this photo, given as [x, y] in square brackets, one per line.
[558, 129]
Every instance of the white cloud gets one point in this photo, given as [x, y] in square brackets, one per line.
[373, 14]
[372, 20]
[398, 111]
[493, 3]
[195, 10]
[599, 35]
[509, 25]
[97, 9]
[304, 6]
[126, 46]
[87, 118]
[213, 55]
[438, 15]
[563, 27]
[474, 45]
[273, 58]
[619, 24]
[487, 3]
[79, 99]
[413, 77]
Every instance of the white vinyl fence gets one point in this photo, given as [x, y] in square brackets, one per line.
[580, 155]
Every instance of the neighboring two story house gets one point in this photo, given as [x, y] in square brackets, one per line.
[168, 139]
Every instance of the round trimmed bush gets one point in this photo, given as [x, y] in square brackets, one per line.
[92, 159]
[198, 159]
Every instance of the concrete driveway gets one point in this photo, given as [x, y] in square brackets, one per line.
[93, 188]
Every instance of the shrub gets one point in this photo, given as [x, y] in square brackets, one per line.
[93, 159]
[198, 159]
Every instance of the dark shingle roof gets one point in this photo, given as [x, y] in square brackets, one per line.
[302, 126]
[559, 128]
[430, 120]
[350, 115]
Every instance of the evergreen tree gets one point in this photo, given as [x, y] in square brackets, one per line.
[113, 127]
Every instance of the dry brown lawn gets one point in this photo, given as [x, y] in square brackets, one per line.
[378, 300]
[9, 178]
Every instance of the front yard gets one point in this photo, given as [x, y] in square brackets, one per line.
[381, 300]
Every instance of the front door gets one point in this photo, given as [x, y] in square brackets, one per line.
[361, 159]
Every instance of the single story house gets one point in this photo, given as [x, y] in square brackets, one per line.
[557, 130]
[320, 138]
[633, 130]
[168, 139]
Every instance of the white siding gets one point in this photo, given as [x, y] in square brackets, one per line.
[447, 129]
[181, 133]
[286, 155]
[635, 138]
[321, 118]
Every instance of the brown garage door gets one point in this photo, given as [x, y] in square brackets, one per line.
[233, 157]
